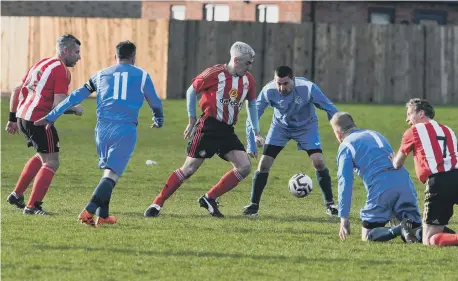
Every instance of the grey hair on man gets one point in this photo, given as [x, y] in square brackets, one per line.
[343, 122]
[67, 41]
[241, 49]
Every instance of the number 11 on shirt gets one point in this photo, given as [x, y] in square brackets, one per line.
[116, 85]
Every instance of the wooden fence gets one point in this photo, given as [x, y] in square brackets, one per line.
[25, 40]
[351, 63]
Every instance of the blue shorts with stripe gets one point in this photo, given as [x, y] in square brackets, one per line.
[115, 144]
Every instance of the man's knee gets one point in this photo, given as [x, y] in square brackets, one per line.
[365, 234]
[244, 170]
[318, 161]
[190, 166]
[52, 163]
[264, 167]
[50, 160]
[265, 164]
[189, 170]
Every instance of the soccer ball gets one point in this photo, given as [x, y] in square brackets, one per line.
[300, 185]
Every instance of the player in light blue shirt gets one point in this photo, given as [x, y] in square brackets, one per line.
[294, 100]
[390, 192]
[121, 90]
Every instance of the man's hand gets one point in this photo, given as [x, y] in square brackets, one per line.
[253, 155]
[12, 128]
[399, 160]
[42, 122]
[344, 228]
[78, 109]
[259, 140]
[188, 130]
[391, 156]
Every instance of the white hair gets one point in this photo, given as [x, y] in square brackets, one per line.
[240, 49]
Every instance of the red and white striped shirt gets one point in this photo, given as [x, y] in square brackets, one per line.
[223, 94]
[43, 80]
[434, 148]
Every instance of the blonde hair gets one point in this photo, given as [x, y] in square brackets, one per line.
[343, 121]
[240, 49]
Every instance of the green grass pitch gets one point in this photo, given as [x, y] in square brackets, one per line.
[293, 239]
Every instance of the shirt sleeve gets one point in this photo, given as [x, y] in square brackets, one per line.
[154, 101]
[75, 97]
[61, 80]
[191, 101]
[407, 143]
[251, 95]
[261, 104]
[345, 180]
[322, 102]
[203, 81]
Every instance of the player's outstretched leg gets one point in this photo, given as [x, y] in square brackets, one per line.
[230, 180]
[100, 198]
[29, 172]
[173, 183]
[211, 205]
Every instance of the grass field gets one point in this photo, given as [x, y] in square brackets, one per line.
[292, 239]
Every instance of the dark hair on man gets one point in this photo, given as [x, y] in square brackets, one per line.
[283, 71]
[421, 104]
[125, 50]
[67, 41]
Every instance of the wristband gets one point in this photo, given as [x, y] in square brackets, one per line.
[12, 117]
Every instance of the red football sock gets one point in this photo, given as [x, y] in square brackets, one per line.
[173, 183]
[41, 185]
[30, 170]
[225, 184]
[444, 239]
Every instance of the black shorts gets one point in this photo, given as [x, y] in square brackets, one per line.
[43, 138]
[274, 150]
[440, 196]
[210, 136]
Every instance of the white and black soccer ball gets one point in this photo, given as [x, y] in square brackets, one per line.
[300, 185]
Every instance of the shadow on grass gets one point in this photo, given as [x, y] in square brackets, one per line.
[252, 231]
[286, 218]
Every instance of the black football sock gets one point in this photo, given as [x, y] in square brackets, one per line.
[324, 180]
[259, 182]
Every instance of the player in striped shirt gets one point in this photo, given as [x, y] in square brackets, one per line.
[434, 148]
[44, 86]
[224, 88]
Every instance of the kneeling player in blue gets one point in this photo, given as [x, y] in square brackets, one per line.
[121, 90]
[294, 118]
[390, 192]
